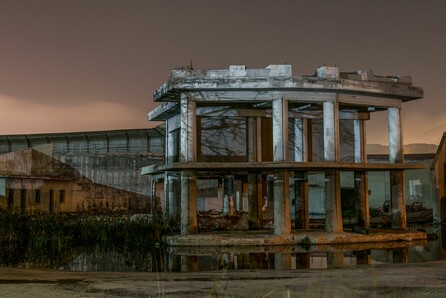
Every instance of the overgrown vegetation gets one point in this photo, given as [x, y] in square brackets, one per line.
[59, 235]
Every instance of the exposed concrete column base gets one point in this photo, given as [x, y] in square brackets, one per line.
[335, 259]
[333, 210]
[282, 222]
[282, 261]
[398, 197]
[362, 199]
[255, 220]
[189, 222]
[301, 214]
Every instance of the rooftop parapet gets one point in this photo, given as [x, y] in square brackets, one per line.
[279, 78]
[275, 70]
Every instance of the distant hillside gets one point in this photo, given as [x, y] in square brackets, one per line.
[408, 149]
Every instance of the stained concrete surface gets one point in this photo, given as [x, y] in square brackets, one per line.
[265, 237]
[397, 280]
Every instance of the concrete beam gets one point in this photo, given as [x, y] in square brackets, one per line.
[369, 101]
[229, 111]
[390, 89]
[263, 166]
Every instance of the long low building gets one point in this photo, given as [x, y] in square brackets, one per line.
[108, 161]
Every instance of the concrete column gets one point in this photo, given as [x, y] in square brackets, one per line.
[363, 257]
[170, 147]
[300, 141]
[395, 136]
[188, 130]
[255, 220]
[400, 255]
[335, 259]
[189, 263]
[189, 223]
[172, 199]
[282, 222]
[333, 217]
[251, 141]
[280, 130]
[166, 208]
[259, 139]
[396, 155]
[331, 131]
[362, 199]
[358, 141]
[398, 198]
[303, 260]
[301, 214]
[282, 261]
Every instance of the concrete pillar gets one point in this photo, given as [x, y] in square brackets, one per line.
[359, 146]
[331, 131]
[280, 130]
[363, 257]
[395, 136]
[255, 219]
[400, 255]
[300, 141]
[333, 217]
[396, 155]
[398, 198]
[188, 130]
[362, 199]
[301, 214]
[282, 222]
[335, 259]
[252, 140]
[172, 198]
[170, 146]
[166, 208]
[303, 260]
[189, 223]
[282, 261]
[259, 139]
[189, 263]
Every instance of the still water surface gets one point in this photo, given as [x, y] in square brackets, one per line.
[171, 259]
[280, 257]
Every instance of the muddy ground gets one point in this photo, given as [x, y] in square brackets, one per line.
[400, 280]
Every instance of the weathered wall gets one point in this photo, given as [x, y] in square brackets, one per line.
[119, 170]
[29, 171]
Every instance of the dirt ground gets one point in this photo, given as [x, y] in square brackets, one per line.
[400, 280]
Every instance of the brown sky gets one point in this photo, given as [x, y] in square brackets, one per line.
[72, 65]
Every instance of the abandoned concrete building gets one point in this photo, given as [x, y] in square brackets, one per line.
[277, 146]
[439, 171]
[79, 171]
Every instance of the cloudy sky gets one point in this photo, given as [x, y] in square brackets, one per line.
[74, 65]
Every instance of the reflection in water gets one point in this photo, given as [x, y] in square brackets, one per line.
[175, 259]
